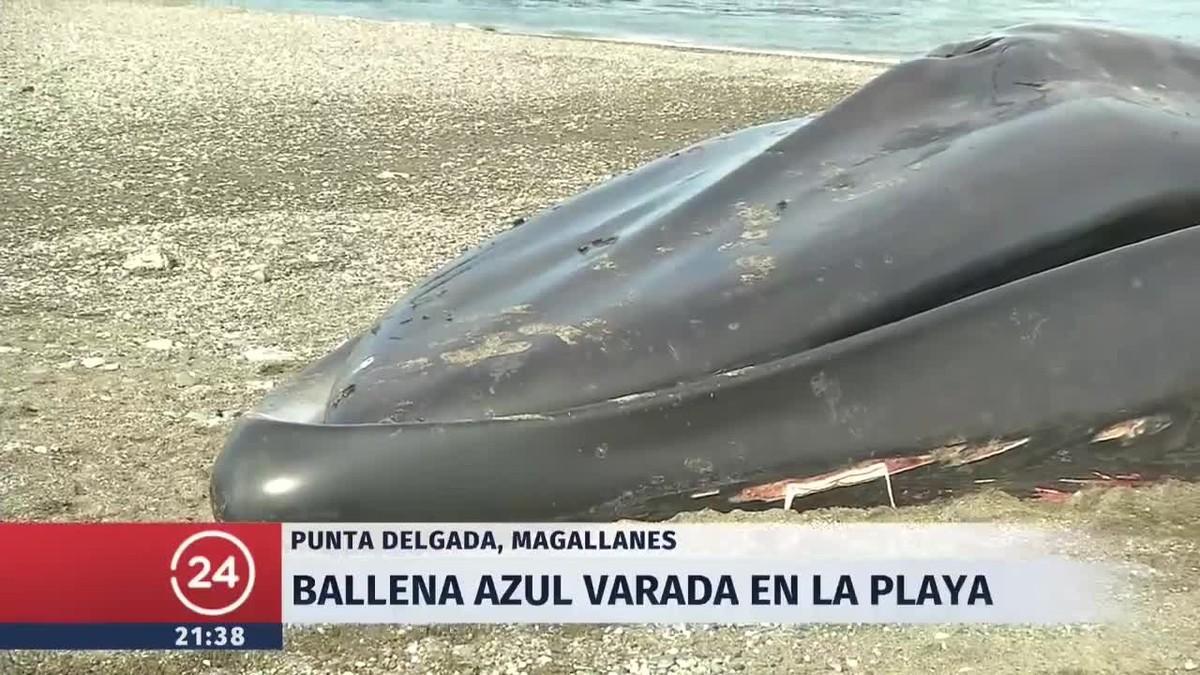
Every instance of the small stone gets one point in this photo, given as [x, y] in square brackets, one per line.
[268, 355]
[385, 175]
[941, 636]
[159, 344]
[149, 259]
[269, 359]
[9, 350]
[1190, 665]
[110, 366]
[260, 385]
[199, 390]
[41, 449]
[259, 273]
[185, 379]
[851, 663]
[92, 362]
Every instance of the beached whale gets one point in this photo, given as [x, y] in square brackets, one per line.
[982, 266]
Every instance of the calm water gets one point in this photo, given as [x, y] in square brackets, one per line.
[877, 27]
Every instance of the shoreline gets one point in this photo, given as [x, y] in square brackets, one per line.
[662, 43]
[656, 42]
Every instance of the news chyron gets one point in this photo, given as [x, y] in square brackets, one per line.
[234, 586]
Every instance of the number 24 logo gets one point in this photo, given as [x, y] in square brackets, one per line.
[229, 572]
[226, 573]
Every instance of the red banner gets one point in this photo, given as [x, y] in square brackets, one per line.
[140, 573]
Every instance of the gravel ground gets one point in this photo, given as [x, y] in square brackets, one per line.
[181, 186]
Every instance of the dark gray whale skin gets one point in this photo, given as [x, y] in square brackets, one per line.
[996, 240]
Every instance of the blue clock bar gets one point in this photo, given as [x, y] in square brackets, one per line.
[222, 637]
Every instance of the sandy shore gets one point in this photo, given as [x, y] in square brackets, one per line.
[297, 174]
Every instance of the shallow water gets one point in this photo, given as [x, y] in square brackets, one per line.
[893, 28]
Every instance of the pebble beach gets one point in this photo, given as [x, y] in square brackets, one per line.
[196, 201]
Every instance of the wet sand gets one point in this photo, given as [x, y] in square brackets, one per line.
[181, 185]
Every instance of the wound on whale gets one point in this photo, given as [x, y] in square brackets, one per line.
[922, 287]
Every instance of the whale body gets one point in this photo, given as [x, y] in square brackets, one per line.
[982, 266]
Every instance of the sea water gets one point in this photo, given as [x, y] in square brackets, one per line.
[884, 28]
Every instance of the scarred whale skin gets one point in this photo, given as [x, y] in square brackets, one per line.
[986, 250]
